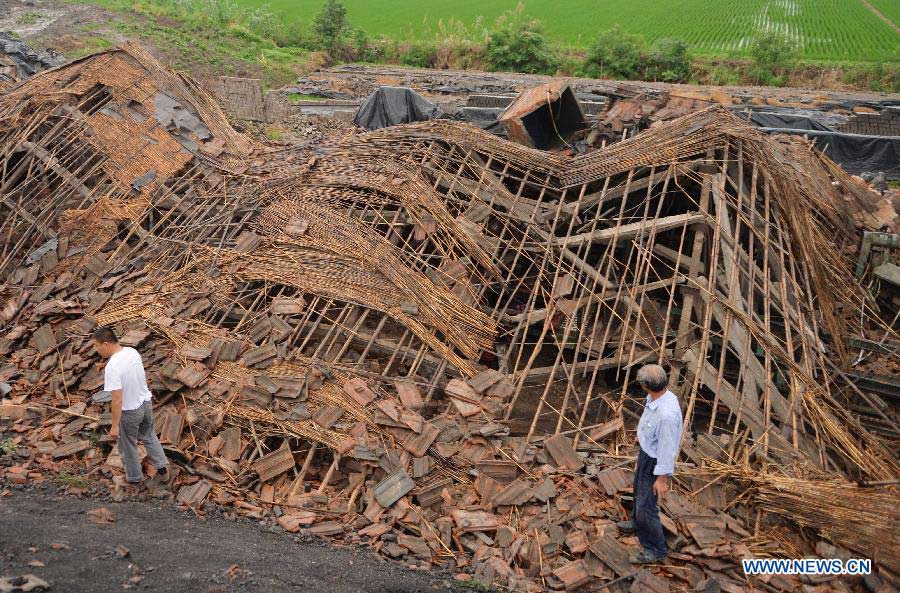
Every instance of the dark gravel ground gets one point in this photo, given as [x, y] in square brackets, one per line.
[175, 551]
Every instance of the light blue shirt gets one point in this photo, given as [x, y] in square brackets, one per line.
[659, 432]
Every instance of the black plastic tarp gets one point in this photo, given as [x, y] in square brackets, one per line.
[392, 105]
[856, 153]
[26, 60]
[790, 121]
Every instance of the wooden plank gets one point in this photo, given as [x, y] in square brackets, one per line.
[631, 230]
[606, 429]
[541, 375]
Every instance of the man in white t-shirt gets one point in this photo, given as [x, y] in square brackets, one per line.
[132, 412]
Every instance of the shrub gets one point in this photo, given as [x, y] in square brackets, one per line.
[569, 65]
[386, 49]
[879, 77]
[517, 44]
[668, 61]
[219, 12]
[294, 34]
[724, 75]
[417, 55]
[615, 54]
[457, 46]
[263, 22]
[772, 55]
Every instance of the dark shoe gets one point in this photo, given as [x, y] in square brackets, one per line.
[679, 542]
[645, 557]
[626, 527]
[164, 475]
[159, 480]
[136, 490]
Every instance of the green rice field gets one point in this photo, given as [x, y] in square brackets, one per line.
[827, 30]
[889, 8]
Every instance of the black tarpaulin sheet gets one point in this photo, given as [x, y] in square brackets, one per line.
[26, 60]
[856, 153]
[392, 105]
[791, 121]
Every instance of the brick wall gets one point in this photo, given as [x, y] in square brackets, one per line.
[885, 123]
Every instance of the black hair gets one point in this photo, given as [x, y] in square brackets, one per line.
[105, 335]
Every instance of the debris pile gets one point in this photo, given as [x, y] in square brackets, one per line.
[856, 130]
[544, 117]
[424, 338]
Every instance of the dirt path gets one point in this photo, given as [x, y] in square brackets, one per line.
[169, 550]
[879, 14]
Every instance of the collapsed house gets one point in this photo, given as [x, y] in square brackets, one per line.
[424, 338]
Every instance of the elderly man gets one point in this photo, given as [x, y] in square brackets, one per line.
[659, 435]
[132, 414]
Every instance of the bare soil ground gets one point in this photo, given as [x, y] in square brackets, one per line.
[172, 550]
[76, 30]
[56, 25]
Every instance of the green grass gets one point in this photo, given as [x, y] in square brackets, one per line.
[195, 42]
[67, 479]
[7, 446]
[820, 29]
[302, 97]
[28, 18]
[91, 44]
[472, 586]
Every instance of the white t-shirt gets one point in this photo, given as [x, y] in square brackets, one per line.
[125, 371]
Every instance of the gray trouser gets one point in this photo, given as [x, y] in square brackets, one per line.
[137, 425]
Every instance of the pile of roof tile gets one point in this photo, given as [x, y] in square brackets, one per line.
[423, 338]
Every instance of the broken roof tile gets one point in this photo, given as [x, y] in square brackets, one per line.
[274, 464]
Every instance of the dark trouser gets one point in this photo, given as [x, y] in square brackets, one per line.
[646, 513]
[137, 425]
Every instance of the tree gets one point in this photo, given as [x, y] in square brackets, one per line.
[330, 26]
[615, 54]
[517, 44]
[772, 54]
